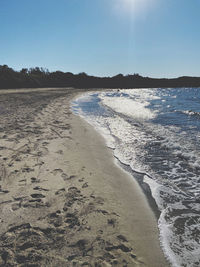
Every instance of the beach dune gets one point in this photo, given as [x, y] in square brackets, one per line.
[64, 201]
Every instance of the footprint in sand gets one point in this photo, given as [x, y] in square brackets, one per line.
[45, 143]
[57, 122]
[60, 191]
[37, 195]
[27, 169]
[15, 206]
[25, 245]
[36, 200]
[64, 176]
[121, 247]
[85, 185]
[71, 177]
[55, 218]
[57, 171]
[122, 238]
[22, 182]
[4, 191]
[112, 222]
[59, 152]
[40, 188]
[35, 180]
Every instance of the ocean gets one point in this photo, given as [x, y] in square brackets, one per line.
[155, 135]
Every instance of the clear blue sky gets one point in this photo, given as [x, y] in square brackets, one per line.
[158, 38]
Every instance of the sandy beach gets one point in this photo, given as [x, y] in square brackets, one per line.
[64, 201]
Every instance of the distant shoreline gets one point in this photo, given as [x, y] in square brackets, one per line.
[42, 78]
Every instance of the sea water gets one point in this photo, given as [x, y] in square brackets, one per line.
[156, 132]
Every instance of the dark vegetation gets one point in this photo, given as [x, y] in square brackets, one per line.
[39, 77]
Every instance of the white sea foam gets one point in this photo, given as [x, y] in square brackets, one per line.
[165, 237]
[129, 107]
[83, 98]
[142, 94]
[155, 187]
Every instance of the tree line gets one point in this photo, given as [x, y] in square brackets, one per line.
[40, 77]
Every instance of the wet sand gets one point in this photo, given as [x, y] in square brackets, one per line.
[63, 199]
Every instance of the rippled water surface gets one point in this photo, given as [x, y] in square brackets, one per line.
[157, 133]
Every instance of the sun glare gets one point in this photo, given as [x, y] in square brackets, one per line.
[134, 7]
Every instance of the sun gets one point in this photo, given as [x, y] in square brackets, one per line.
[134, 7]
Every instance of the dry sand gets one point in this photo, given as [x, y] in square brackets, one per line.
[63, 199]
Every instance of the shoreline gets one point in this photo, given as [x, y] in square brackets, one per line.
[64, 201]
[138, 176]
[137, 199]
[135, 187]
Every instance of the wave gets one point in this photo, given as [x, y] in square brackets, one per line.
[129, 107]
[191, 113]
